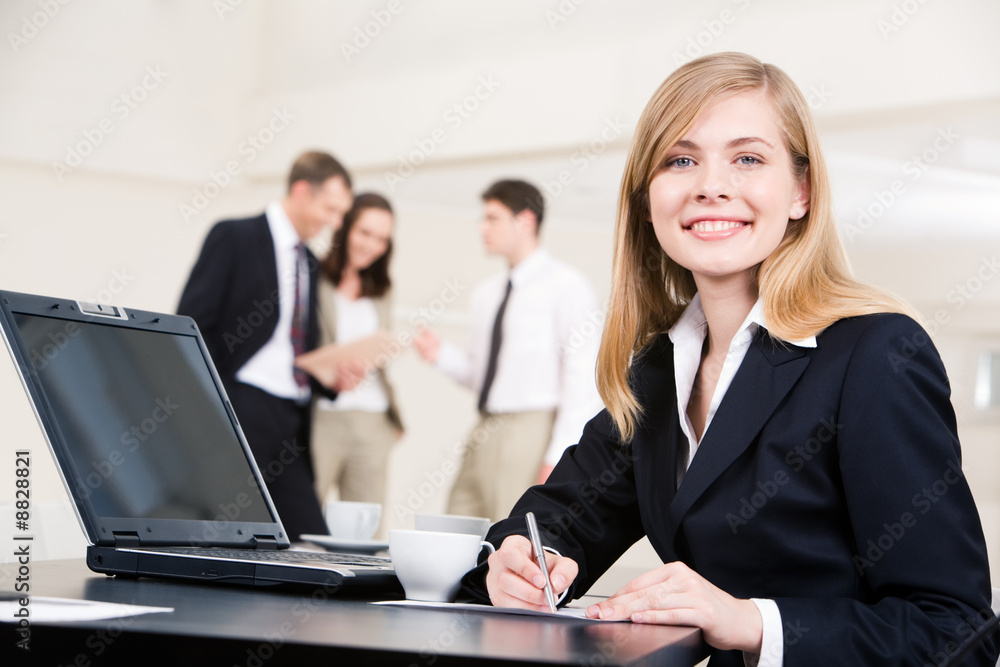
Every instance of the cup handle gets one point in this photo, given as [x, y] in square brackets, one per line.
[488, 546]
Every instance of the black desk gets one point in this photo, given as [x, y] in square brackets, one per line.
[223, 625]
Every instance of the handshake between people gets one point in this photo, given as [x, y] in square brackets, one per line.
[672, 594]
[343, 366]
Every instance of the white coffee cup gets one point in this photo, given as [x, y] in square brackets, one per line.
[453, 523]
[430, 564]
[352, 521]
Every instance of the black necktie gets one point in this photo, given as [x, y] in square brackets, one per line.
[491, 367]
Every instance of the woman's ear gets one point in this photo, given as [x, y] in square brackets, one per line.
[800, 202]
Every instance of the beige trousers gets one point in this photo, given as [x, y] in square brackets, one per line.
[502, 458]
[350, 452]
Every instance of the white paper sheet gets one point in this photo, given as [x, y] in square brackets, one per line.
[565, 612]
[59, 610]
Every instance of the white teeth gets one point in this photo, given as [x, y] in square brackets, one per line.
[715, 225]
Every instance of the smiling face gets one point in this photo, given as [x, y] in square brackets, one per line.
[723, 197]
[369, 238]
[314, 208]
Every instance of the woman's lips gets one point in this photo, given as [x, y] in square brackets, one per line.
[716, 229]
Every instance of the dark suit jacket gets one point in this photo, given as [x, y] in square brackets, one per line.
[829, 480]
[232, 293]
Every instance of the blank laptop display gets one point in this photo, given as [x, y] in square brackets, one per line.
[151, 452]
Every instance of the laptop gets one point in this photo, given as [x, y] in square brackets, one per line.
[151, 451]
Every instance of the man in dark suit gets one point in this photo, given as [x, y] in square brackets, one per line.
[253, 294]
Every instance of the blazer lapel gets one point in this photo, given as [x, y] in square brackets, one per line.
[768, 372]
[327, 312]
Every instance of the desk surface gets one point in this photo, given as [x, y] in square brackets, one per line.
[228, 625]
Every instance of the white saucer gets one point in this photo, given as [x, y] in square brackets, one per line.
[342, 544]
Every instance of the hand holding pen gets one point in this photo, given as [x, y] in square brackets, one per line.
[515, 578]
[538, 552]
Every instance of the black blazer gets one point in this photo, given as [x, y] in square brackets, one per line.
[232, 293]
[829, 480]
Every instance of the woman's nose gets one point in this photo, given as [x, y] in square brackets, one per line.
[714, 182]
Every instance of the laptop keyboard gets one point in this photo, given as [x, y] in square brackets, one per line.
[282, 556]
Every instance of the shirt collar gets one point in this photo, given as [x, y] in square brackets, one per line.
[528, 266]
[282, 230]
[692, 322]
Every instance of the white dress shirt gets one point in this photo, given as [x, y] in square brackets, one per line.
[551, 332]
[688, 336]
[356, 319]
[272, 367]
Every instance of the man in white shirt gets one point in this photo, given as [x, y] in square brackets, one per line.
[532, 349]
[252, 293]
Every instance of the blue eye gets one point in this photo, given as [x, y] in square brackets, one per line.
[680, 162]
[748, 160]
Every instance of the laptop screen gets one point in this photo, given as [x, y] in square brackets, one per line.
[145, 426]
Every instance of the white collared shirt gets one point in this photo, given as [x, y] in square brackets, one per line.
[688, 336]
[551, 331]
[356, 319]
[271, 368]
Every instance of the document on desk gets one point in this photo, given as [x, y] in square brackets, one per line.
[565, 612]
[62, 610]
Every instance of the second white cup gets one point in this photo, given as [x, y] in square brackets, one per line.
[352, 521]
[453, 523]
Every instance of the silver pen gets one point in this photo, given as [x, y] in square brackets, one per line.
[536, 547]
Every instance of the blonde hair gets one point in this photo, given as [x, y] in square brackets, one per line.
[805, 284]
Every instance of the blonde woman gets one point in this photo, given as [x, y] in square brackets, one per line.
[782, 433]
[353, 435]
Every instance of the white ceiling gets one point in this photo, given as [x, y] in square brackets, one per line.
[891, 81]
[886, 86]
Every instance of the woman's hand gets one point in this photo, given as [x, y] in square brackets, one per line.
[515, 580]
[339, 376]
[428, 344]
[349, 374]
[674, 594]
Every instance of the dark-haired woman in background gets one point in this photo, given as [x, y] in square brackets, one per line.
[353, 435]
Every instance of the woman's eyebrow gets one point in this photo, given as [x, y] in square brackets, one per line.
[687, 144]
[742, 141]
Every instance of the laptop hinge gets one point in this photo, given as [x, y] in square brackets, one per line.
[126, 539]
[265, 543]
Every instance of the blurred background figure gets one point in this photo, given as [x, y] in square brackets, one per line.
[353, 435]
[527, 358]
[253, 293]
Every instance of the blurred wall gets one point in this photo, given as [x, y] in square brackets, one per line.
[119, 120]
